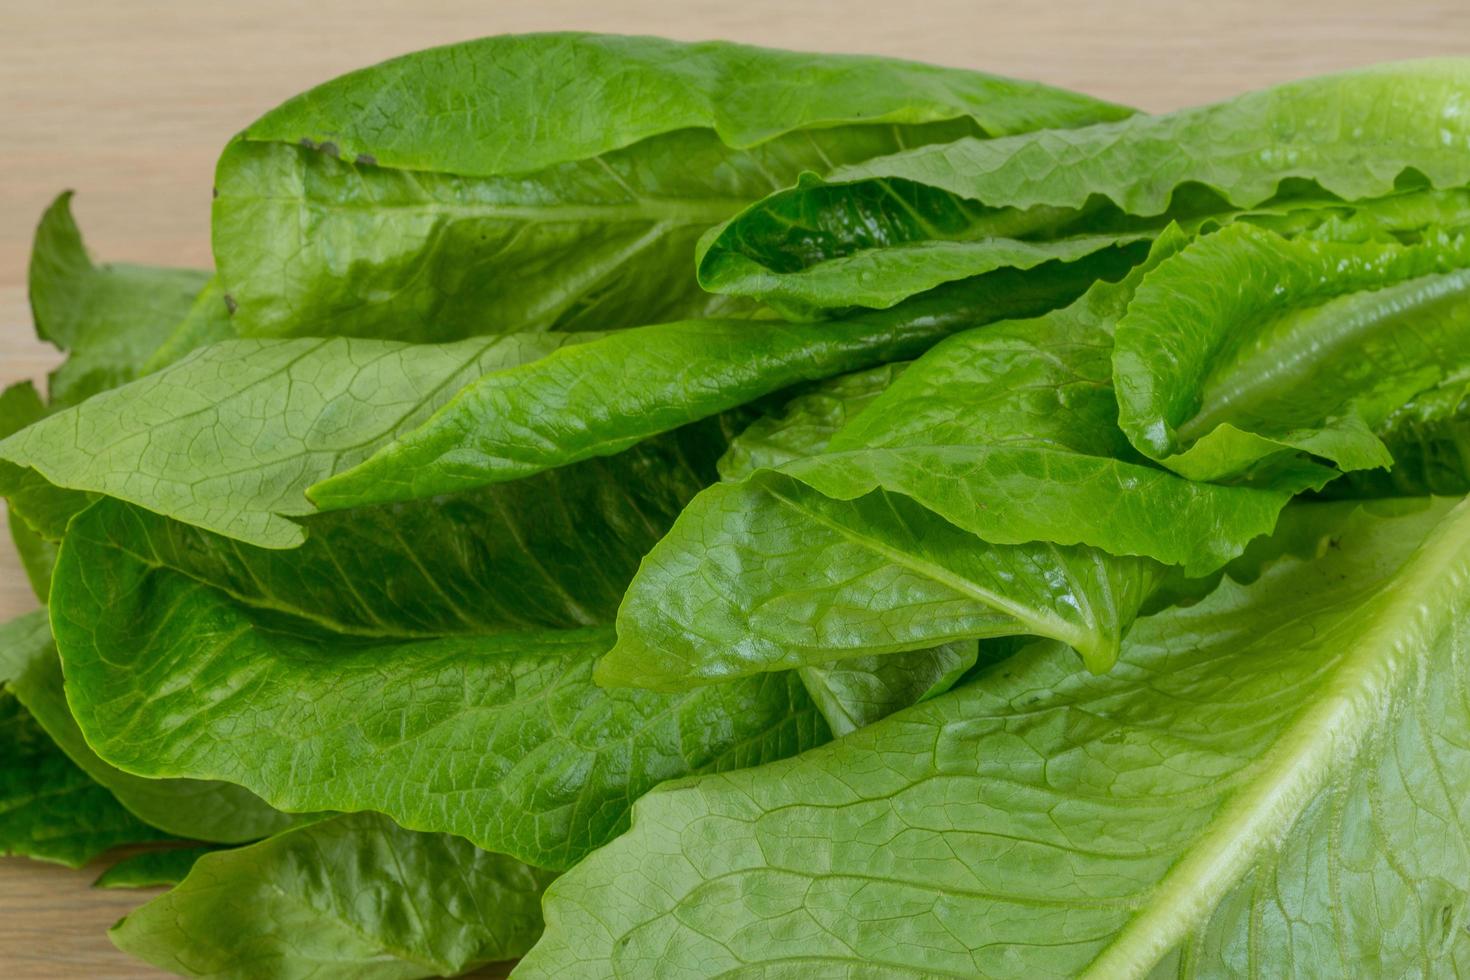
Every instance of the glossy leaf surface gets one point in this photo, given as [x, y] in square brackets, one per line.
[1268, 776]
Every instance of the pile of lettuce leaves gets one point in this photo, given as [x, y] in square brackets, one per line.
[669, 510]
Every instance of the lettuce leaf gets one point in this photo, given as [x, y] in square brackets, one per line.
[501, 738]
[50, 810]
[871, 233]
[231, 437]
[856, 691]
[557, 181]
[152, 869]
[109, 318]
[1267, 776]
[1246, 347]
[986, 492]
[352, 896]
[468, 624]
[194, 809]
[577, 402]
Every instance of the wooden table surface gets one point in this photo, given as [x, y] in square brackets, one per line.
[128, 103]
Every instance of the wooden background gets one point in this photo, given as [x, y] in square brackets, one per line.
[128, 103]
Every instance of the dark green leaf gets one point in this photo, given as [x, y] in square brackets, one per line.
[189, 808]
[20, 405]
[501, 738]
[49, 808]
[444, 647]
[351, 897]
[151, 869]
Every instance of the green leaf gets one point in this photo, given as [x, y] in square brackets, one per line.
[1429, 439]
[559, 180]
[230, 437]
[152, 869]
[110, 318]
[49, 809]
[901, 224]
[807, 422]
[501, 738]
[207, 322]
[552, 551]
[22, 639]
[37, 555]
[853, 692]
[350, 897]
[1247, 346]
[188, 808]
[1010, 432]
[461, 623]
[20, 405]
[1270, 776]
[987, 491]
[768, 574]
[860, 690]
[577, 403]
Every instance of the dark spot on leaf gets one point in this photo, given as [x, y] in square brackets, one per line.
[230, 304]
[1335, 543]
[214, 192]
[307, 142]
[329, 148]
[367, 160]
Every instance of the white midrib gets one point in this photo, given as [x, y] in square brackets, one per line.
[1299, 766]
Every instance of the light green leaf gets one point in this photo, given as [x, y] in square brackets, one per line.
[955, 208]
[110, 318]
[1270, 776]
[557, 181]
[351, 897]
[1247, 346]
[577, 403]
[230, 437]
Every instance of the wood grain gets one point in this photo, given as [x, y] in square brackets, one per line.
[130, 103]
